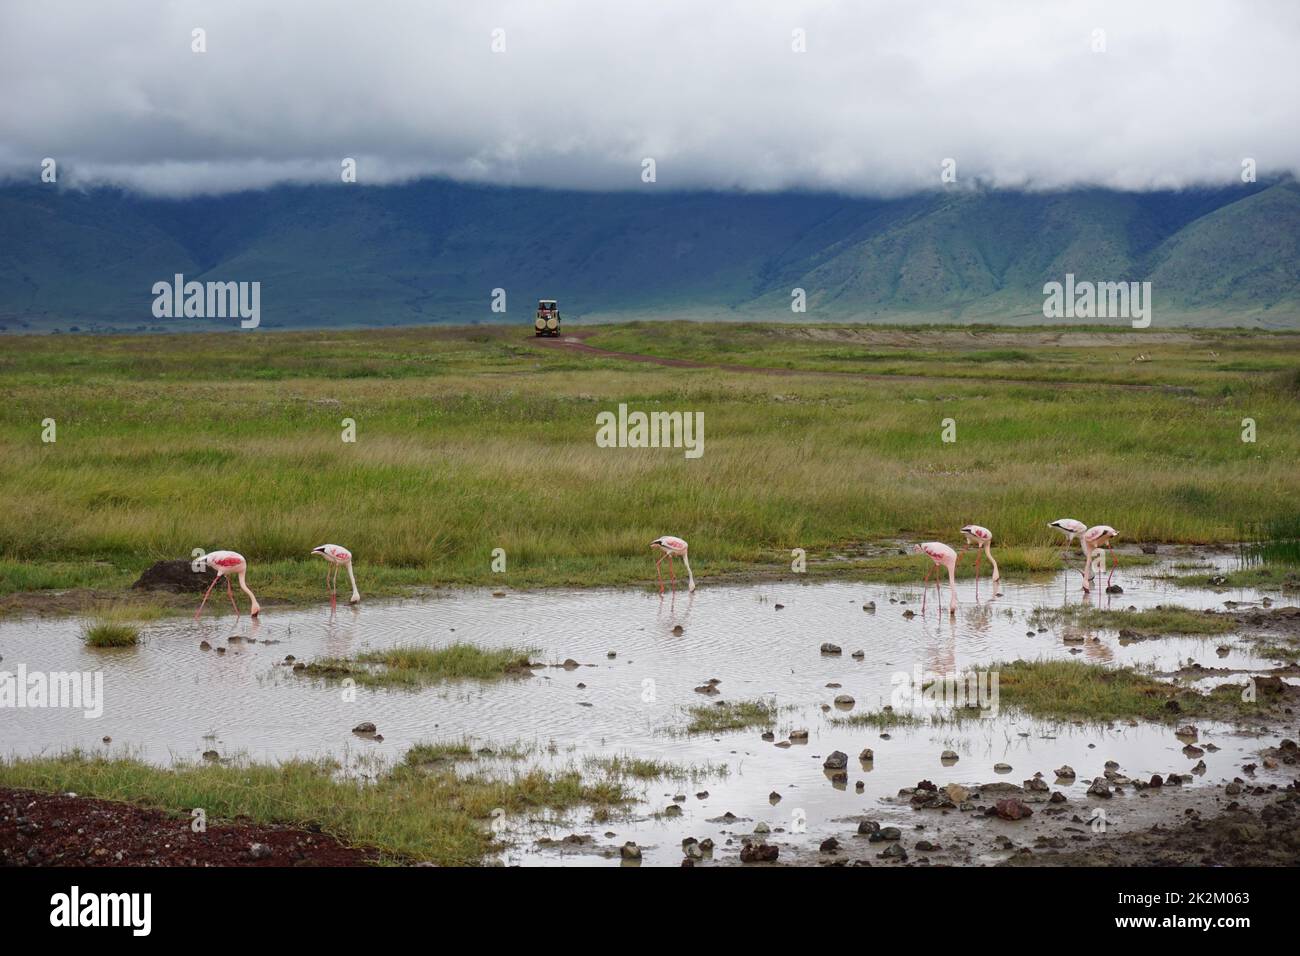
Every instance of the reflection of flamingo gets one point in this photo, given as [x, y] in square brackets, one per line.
[226, 563]
[1093, 540]
[982, 538]
[672, 548]
[940, 553]
[337, 557]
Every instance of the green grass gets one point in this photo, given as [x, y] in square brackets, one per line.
[413, 666]
[723, 716]
[1149, 622]
[1264, 577]
[1076, 690]
[103, 633]
[877, 719]
[1065, 690]
[468, 440]
[413, 812]
[622, 766]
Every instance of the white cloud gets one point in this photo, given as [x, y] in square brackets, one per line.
[1010, 89]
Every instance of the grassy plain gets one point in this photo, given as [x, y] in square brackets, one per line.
[472, 439]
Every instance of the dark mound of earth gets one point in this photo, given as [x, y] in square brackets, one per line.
[50, 829]
[175, 576]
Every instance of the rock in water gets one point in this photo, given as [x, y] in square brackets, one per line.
[758, 853]
[836, 761]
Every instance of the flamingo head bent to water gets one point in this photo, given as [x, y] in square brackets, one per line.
[226, 563]
[940, 554]
[982, 538]
[338, 557]
[1094, 539]
[672, 547]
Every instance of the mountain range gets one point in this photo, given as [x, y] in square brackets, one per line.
[434, 250]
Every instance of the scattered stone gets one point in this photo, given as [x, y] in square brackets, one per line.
[829, 648]
[365, 727]
[1064, 772]
[838, 760]
[758, 853]
[1002, 768]
[1100, 788]
[948, 756]
[800, 736]
[1012, 809]
[260, 851]
[830, 845]
[845, 701]
[678, 630]
[867, 755]
[630, 851]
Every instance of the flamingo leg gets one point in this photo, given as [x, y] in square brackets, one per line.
[231, 591]
[978, 555]
[1113, 565]
[334, 582]
[659, 577]
[925, 588]
[672, 574]
[205, 596]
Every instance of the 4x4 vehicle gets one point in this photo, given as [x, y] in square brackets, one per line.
[548, 317]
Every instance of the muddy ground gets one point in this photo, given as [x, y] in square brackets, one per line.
[51, 829]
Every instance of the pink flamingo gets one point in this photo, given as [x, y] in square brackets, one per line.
[1068, 527]
[672, 548]
[226, 563]
[1094, 539]
[337, 557]
[982, 538]
[940, 553]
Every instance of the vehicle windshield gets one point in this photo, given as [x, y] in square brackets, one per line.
[546, 304]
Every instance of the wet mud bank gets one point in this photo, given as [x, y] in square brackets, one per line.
[53, 829]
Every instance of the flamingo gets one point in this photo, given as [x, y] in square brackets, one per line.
[1095, 538]
[1068, 527]
[940, 553]
[337, 557]
[982, 538]
[226, 563]
[672, 548]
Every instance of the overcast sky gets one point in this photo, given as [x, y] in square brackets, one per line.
[712, 90]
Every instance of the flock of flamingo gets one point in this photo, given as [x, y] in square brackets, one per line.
[1091, 540]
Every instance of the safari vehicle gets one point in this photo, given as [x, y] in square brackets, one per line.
[548, 317]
